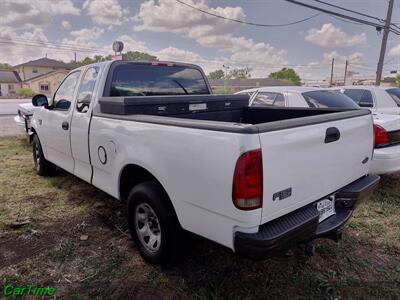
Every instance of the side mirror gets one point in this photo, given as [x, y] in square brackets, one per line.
[40, 100]
[365, 104]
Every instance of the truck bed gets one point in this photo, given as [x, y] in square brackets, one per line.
[218, 112]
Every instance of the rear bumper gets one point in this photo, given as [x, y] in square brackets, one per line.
[386, 160]
[302, 225]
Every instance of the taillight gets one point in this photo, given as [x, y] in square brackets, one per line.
[381, 137]
[248, 181]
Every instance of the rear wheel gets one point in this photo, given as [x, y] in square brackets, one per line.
[153, 224]
[42, 166]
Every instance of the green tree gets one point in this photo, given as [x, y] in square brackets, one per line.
[288, 74]
[5, 66]
[240, 73]
[130, 55]
[398, 79]
[136, 55]
[217, 74]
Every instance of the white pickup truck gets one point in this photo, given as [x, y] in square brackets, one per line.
[256, 180]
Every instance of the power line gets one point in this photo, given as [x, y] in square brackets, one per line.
[244, 22]
[330, 12]
[49, 44]
[350, 10]
[347, 21]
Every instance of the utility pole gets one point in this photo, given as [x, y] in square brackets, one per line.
[75, 56]
[345, 72]
[384, 42]
[333, 62]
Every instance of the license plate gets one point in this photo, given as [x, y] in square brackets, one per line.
[326, 208]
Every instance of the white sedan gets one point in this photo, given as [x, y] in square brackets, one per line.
[386, 158]
[380, 99]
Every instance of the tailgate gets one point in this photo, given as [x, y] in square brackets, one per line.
[301, 165]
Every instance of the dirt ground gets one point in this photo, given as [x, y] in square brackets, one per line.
[76, 241]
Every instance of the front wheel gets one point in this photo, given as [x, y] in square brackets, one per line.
[42, 166]
[153, 224]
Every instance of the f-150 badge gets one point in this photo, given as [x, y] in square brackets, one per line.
[282, 194]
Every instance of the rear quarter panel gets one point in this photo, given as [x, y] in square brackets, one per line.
[194, 166]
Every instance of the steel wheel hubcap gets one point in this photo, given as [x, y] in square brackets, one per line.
[147, 227]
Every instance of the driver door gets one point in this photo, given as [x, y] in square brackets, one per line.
[56, 124]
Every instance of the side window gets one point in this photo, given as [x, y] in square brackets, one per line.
[279, 100]
[264, 99]
[63, 96]
[362, 97]
[269, 99]
[86, 89]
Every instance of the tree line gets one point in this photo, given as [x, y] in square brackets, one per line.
[284, 73]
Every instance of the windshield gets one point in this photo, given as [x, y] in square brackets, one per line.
[395, 94]
[156, 80]
[326, 99]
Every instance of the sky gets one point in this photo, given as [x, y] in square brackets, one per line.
[30, 29]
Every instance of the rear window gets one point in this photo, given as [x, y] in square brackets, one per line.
[155, 80]
[360, 96]
[326, 99]
[395, 94]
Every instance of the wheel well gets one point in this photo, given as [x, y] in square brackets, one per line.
[132, 175]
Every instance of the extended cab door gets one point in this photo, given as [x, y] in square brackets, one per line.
[81, 122]
[55, 124]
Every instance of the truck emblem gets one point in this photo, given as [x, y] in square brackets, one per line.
[282, 194]
[102, 155]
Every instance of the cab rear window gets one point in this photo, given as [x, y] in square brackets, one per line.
[156, 80]
[328, 99]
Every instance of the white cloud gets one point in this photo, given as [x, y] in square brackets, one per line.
[131, 44]
[354, 59]
[395, 51]
[66, 25]
[330, 36]
[33, 13]
[170, 16]
[175, 54]
[87, 34]
[208, 31]
[104, 12]
[15, 52]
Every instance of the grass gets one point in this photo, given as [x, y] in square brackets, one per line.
[49, 251]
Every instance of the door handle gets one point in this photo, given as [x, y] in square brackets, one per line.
[65, 125]
[332, 135]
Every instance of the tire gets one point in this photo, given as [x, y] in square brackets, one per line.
[42, 166]
[153, 224]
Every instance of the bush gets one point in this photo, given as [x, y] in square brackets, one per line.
[25, 92]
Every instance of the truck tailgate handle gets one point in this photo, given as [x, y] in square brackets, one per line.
[332, 135]
[65, 125]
